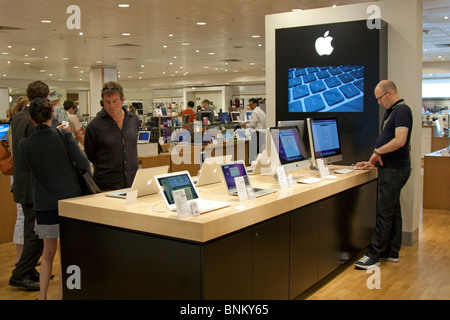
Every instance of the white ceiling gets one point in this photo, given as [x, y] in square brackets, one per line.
[51, 52]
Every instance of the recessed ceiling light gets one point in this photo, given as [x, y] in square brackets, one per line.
[201, 23]
[211, 53]
[33, 49]
[5, 53]
[252, 63]
[75, 67]
[126, 34]
[164, 46]
[65, 59]
[171, 35]
[99, 61]
[81, 33]
[197, 51]
[446, 18]
[46, 21]
[256, 36]
[26, 63]
[185, 44]
[9, 47]
[42, 71]
[123, 5]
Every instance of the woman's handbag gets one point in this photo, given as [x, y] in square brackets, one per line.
[6, 162]
[87, 183]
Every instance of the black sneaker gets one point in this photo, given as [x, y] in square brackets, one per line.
[367, 263]
[26, 284]
[390, 259]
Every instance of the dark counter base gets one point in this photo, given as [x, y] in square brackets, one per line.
[276, 259]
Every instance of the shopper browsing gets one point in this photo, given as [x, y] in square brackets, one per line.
[110, 141]
[392, 158]
[54, 178]
[74, 122]
[258, 118]
[25, 275]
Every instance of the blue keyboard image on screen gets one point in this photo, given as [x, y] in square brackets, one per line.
[326, 89]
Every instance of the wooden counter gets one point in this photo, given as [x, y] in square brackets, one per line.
[273, 247]
[140, 217]
[8, 210]
[436, 180]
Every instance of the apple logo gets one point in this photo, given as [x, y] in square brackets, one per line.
[323, 45]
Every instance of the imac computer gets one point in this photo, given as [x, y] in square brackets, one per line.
[235, 116]
[290, 123]
[224, 117]
[291, 150]
[324, 140]
[206, 114]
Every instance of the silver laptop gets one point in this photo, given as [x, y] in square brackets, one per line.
[143, 182]
[210, 172]
[237, 169]
[182, 180]
[143, 137]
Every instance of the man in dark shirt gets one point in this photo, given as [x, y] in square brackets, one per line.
[392, 157]
[25, 275]
[111, 141]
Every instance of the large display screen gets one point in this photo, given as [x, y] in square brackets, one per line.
[326, 89]
[325, 135]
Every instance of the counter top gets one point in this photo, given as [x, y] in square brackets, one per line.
[444, 153]
[150, 214]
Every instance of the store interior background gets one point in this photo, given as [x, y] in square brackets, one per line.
[161, 54]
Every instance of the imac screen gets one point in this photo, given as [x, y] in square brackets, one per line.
[326, 89]
[290, 146]
[325, 136]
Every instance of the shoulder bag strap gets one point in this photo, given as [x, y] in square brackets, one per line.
[67, 149]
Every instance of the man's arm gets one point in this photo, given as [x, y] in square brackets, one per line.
[401, 136]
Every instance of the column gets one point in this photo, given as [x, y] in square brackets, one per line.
[98, 76]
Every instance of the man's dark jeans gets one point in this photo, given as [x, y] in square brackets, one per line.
[387, 237]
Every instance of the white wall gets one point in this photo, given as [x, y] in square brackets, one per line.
[404, 18]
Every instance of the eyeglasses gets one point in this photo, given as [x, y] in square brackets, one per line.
[382, 96]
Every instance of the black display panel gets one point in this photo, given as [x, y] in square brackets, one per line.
[301, 51]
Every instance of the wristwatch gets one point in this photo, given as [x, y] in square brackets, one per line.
[376, 152]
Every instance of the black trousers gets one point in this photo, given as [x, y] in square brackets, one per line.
[32, 247]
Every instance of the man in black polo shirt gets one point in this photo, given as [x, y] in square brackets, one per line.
[392, 157]
[111, 141]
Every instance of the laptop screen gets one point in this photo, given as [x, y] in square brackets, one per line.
[233, 170]
[177, 182]
[224, 117]
[144, 136]
[4, 128]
